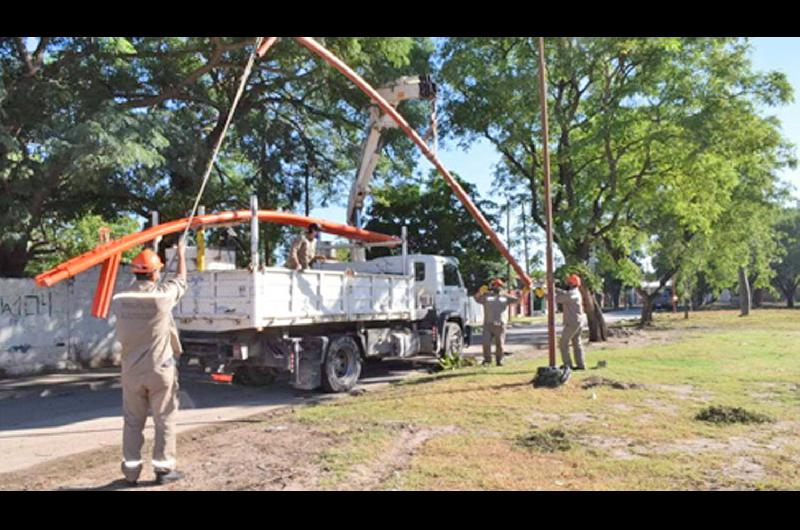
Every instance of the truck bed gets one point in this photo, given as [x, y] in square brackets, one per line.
[278, 297]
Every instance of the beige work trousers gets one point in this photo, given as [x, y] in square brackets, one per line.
[496, 333]
[572, 333]
[156, 392]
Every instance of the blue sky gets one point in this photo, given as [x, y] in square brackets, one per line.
[476, 164]
[782, 53]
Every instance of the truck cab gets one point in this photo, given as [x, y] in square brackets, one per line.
[439, 288]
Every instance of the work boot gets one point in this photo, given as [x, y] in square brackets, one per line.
[579, 367]
[486, 363]
[499, 362]
[166, 477]
[131, 473]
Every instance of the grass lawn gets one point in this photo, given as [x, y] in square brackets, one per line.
[472, 428]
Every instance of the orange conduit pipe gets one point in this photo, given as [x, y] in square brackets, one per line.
[106, 251]
[365, 87]
[266, 44]
[105, 286]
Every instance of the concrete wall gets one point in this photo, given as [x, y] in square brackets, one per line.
[52, 328]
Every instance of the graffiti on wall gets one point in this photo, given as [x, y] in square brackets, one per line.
[26, 305]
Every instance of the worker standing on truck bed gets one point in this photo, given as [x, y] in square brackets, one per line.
[304, 249]
[150, 347]
[494, 319]
[574, 317]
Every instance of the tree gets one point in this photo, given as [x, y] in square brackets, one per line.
[120, 124]
[724, 226]
[77, 237]
[60, 139]
[634, 122]
[787, 270]
[437, 224]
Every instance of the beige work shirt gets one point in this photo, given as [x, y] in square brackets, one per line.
[145, 327]
[302, 252]
[494, 308]
[572, 305]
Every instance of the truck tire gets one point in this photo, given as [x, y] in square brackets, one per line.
[453, 341]
[342, 366]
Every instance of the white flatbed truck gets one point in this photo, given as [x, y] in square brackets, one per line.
[321, 324]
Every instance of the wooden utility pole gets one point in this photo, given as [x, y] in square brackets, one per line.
[508, 242]
[529, 301]
[548, 208]
[508, 237]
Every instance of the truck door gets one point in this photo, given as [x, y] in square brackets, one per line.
[453, 296]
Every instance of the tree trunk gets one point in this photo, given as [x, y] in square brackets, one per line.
[647, 306]
[697, 299]
[14, 259]
[614, 291]
[598, 329]
[758, 297]
[686, 309]
[647, 310]
[673, 296]
[790, 299]
[744, 293]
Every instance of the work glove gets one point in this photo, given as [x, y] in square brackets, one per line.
[484, 289]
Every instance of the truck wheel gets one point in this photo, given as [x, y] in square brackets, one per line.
[342, 366]
[241, 376]
[453, 341]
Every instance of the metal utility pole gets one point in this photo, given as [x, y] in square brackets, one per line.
[154, 222]
[551, 299]
[254, 232]
[200, 237]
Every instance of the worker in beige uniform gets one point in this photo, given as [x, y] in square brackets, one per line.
[303, 252]
[495, 306]
[150, 347]
[573, 322]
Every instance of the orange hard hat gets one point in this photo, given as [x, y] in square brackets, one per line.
[574, 280]
[497, 282]
[146, 261]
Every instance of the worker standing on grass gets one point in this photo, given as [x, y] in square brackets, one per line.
[150, 347]
[494, 319]
[573, 322]
[304, 249]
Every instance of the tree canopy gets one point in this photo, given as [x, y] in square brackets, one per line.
[661, 149]
[648, 135]
[437, 224]
[787, 270]
[125, 125]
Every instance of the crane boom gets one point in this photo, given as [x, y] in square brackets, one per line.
[408, 87]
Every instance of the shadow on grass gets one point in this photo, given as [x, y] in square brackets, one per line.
[467, 390]
[445, 376]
